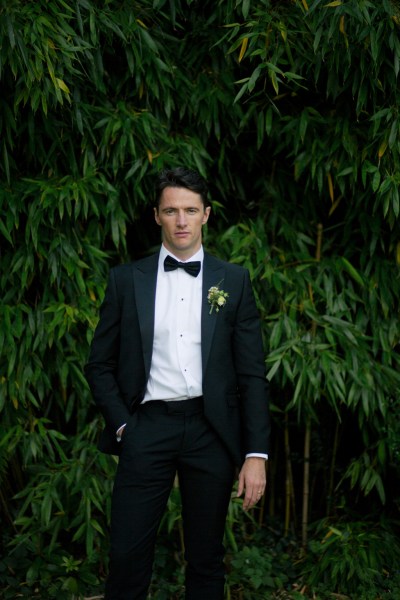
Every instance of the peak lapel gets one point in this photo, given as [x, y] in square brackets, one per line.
[145, 281]
[213, 274]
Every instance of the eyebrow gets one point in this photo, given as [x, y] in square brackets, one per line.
[176, 208]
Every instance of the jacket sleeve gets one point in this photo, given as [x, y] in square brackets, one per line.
[101, 369]
[250, 369]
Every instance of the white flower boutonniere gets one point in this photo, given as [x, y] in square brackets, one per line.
[217, 298]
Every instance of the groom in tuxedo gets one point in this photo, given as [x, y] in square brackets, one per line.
[177, 369]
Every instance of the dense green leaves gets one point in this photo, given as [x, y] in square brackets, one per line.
[291, 109]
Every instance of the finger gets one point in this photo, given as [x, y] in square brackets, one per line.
[247, 502]
[247, 498]
[240, 485]
[252, 497]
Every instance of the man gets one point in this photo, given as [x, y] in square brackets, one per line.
[177, 369]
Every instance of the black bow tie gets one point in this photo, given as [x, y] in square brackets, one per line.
[193, 268]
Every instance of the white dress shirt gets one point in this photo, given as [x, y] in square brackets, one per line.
[176, 368]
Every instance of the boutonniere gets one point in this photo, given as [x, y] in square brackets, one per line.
[217, 298]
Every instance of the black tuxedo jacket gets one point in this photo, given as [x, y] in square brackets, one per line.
[234, 384]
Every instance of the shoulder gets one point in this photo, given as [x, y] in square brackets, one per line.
[124, 272]
[143, 264]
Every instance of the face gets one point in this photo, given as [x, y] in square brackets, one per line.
[181, 215]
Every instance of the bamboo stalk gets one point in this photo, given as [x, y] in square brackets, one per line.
[307, 434]
[289, 486]
[180, 524]
[332, 470]
[306, 484]
[287, 481]
[272, 468]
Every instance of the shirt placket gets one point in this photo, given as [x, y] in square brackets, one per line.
[182, 321]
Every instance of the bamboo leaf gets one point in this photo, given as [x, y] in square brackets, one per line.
[352, 271]
[393, 134]
[243, 48]
[382, 149]
[330, 187]
[5, 232]
[61, 84]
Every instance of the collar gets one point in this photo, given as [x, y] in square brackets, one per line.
[199, 255]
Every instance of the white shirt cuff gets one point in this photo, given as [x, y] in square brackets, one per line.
[119, 432]
[257, 455]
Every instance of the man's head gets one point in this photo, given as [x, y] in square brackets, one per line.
[181, 210]
[182, 178]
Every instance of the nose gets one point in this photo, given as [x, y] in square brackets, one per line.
[181, 219]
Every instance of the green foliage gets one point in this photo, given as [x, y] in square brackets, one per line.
[324, 86]
[61, 513]
[48, 574]
[291, 109]
[356, 558]
[325, 349]
[254, 572]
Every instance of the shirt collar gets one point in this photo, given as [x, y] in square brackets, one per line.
[164, 253]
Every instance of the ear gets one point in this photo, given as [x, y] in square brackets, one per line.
[156, 217]
[206, 215]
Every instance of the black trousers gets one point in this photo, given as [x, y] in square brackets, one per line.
[160, 440]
